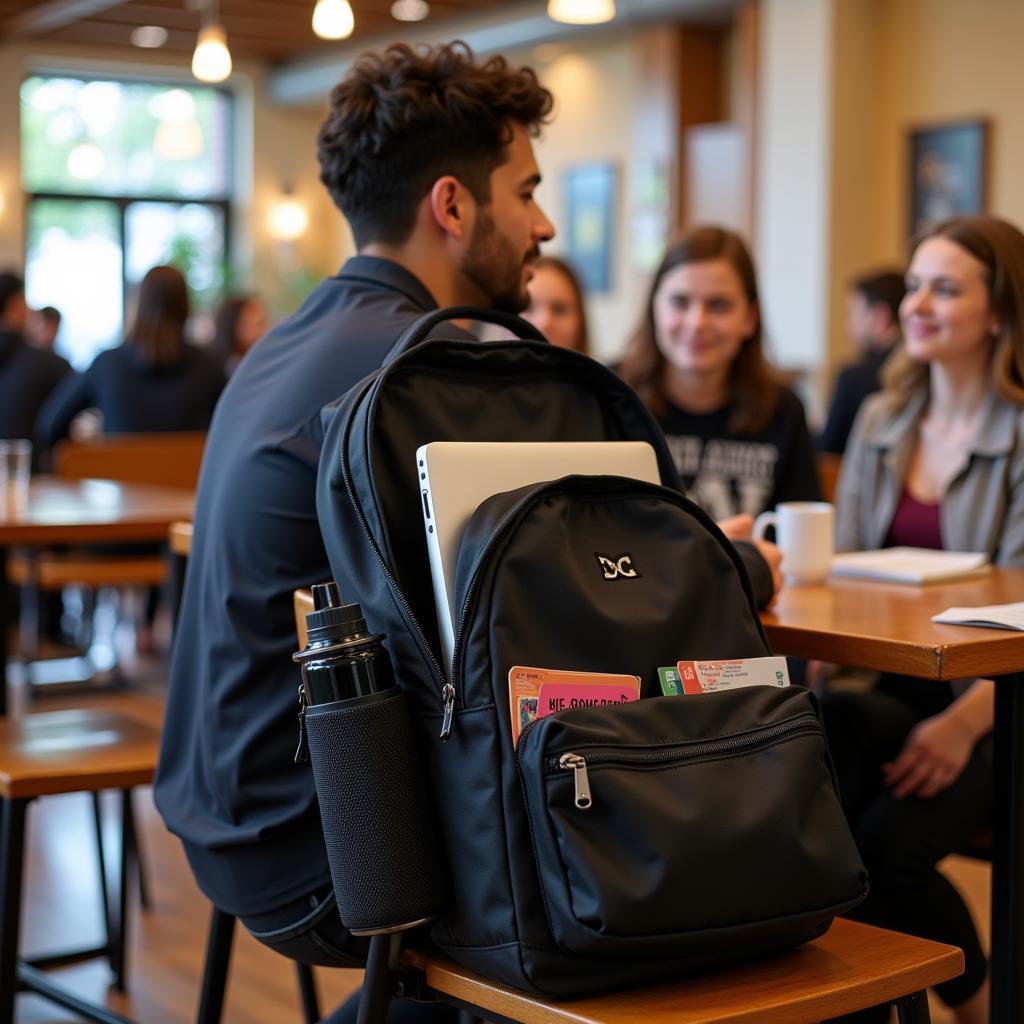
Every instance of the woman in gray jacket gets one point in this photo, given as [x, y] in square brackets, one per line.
[935, 460]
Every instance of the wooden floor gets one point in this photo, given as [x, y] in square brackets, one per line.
[167, 942]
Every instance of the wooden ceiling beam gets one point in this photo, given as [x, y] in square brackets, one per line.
[55, 14]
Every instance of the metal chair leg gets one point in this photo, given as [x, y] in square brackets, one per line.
[913, 1009]
[215, 969]
[307, 992]
[376, 995]
[136, 855]
[12, 851]
[110, 926]
[120, 916]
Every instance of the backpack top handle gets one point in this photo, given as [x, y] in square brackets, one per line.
[418, 331]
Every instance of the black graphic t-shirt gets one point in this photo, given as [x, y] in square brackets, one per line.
[727, 473]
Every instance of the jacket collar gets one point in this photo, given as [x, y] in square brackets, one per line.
[388, 274]
[995, 433]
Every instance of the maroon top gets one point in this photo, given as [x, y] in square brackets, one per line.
[915, 525]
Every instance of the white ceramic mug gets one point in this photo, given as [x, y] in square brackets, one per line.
[804, 533]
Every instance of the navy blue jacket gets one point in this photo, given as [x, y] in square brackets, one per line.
[135, 397]
[28, 375]
[226, 781]
[854, 383]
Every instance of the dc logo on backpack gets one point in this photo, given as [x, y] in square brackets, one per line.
[615, 568]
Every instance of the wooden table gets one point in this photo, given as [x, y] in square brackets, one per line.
[61, 511]
[888, 627]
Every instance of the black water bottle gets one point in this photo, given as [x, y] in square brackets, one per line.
[375, 808]
[342, 660]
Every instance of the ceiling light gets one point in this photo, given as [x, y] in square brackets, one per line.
[211, 61]
[581, 12]
[333, 19]
[288, 219]
[410, 10]
[149, 37]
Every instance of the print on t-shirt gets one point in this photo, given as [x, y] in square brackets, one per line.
[726, 477]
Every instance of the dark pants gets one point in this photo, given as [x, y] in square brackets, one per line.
[310, 931]
[901, 841]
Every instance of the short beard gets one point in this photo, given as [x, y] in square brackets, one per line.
[493, 266]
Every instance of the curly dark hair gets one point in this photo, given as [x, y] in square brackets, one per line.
[402, 118]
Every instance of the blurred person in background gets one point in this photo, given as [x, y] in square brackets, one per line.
[935, 460]
[43, 327]
[556, 305]
[28, 375]
[154, 381]
[873, 325]
[737, 434]
[241, 321]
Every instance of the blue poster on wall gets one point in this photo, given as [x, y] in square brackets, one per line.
[590, 216]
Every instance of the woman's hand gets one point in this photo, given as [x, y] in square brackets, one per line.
[773, 556]
[737, 527]
[932, 758]
[740, 528]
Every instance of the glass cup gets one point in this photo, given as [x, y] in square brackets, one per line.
[15, 468]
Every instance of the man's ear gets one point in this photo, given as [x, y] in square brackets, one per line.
[449, 203]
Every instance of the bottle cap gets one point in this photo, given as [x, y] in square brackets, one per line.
[331, 619]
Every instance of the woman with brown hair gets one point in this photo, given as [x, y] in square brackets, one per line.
[556, 304]
[154, 381]
[738, 435]
[936, 460]
[241, 321]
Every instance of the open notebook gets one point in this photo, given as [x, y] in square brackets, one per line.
[911, 565]
[993, 616]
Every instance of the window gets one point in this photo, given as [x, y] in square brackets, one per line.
[121, 176]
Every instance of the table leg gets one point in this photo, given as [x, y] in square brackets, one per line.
[12, 844]
[1008, 852]
[5, 607]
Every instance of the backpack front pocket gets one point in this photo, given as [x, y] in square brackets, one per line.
[685, 825]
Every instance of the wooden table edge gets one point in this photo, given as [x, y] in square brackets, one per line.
[15, 787]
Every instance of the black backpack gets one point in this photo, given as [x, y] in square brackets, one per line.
[610, 846]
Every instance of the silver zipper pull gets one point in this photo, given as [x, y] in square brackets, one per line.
[448, 709]
[580, 780]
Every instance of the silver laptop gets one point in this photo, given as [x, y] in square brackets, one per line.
[457, 476]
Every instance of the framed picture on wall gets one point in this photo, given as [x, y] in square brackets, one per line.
[590, 194]
[948, 171]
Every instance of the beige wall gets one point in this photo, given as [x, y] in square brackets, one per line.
[947, 59]
[833, 158]
[793, 189]
[594, 88]
[282, 141]
[853, 159]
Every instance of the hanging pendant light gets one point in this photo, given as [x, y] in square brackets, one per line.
[211, 61]
[333, 19]
[581, 12]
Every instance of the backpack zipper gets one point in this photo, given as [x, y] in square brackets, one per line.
[445, 689]
[578, 763]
